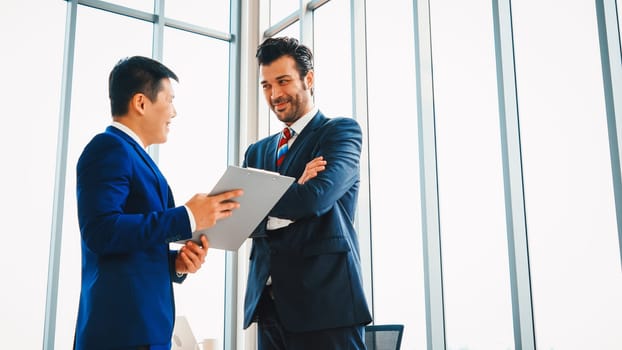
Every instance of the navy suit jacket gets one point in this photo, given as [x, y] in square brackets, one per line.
[127, 217]
[314, 263]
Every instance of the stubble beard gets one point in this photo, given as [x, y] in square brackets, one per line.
[291, 114]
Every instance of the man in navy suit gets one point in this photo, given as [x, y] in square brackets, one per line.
[127, 217]
[305, 288]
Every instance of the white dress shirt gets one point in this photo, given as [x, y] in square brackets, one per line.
[275, 223]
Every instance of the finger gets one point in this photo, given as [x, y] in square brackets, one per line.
[229, 206]
[191, 266]
[223, 214]
[200, 253]
[183, 259]
[204, 243]
[190, 256]
[228, 195]
[317, 160]
[201, 250]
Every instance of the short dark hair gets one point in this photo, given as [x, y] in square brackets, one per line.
[132, 75]
[274, 48]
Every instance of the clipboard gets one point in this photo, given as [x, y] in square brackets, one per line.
[262, 190]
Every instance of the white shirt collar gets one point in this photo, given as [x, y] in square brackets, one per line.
[129, 132]
[303, 121]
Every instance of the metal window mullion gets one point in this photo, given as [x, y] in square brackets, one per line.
[611, 60]
[156, 17]
[282, 24]
[432, 262]
[306, 24]
[233, 148]
[315, 4]
[358, 41]
[157, 53]
[249, 37]
[60, 179]
[118, 9]
[518, 250]
[195, 29]
[157, 47]
[263, 113]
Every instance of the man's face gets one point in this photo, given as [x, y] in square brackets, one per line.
[288, 96]
[158, 114]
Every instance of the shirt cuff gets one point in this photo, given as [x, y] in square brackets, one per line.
[193, 224]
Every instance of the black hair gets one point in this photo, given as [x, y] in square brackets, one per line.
[274, 48]
[134, 75]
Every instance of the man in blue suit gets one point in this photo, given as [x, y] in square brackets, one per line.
[127, 217]
[305, 288]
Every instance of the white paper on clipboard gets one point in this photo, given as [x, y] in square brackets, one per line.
[262, 190]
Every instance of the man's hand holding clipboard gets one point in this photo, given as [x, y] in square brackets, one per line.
[240, 214]
[208, 209]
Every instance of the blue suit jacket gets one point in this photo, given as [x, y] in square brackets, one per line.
[314, 263]
[127, 217]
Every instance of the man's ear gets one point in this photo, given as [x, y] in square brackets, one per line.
[310, 79]
[137, 103]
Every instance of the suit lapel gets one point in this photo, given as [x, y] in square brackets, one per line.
[270, 155]
[142, 154]
[163, 185]
[301, 139]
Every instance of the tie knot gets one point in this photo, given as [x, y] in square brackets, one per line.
[287, 133]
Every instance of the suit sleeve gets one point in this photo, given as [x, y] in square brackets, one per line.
[116, 212]
[340, 145]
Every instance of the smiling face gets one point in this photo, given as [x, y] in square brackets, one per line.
[157, 115]
[287, 94]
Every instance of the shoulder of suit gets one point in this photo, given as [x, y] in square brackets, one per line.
[342, 122]
[108, 142]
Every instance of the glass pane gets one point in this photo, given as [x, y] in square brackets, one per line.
[32, 58]
[396, 229]
[280, 9]
[292, 30]
[332, 58]
[194, 158]
[142, 5]
[573, 243]
[97, 52]
[211, 14]
[478, 309]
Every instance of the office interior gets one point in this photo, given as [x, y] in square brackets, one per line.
[490, 205]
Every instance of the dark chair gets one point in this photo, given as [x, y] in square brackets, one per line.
[384, 337]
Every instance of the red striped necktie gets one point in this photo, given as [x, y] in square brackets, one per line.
[282, 148]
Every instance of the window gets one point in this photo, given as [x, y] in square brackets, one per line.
[332, 59]
[279, 9]
[194, 158]
[476, 283]
[142, 5]
[199, 131]
[211, 14]
[96, 54]
[571, 223]
[394, 171]
[31, 89]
